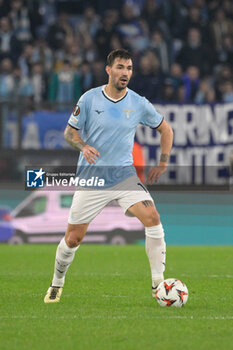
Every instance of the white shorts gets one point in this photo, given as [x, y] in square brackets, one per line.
[87, 203]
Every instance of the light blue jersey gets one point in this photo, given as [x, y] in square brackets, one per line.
[110, 125]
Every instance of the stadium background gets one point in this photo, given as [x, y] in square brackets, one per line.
[53, 51]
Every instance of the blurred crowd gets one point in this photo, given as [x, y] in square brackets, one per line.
[56, 50]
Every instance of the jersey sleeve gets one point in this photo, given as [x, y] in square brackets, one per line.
[79, 115]
[150, 117]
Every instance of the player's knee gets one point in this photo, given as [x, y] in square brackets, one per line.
[73, 240]
[74, 234]
[152, 218]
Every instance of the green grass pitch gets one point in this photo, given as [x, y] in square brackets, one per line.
[107, 302]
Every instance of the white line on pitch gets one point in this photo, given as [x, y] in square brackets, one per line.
[210, 276]
[121, 317]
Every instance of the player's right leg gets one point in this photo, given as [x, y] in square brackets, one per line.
[64, 256]
[85, 207]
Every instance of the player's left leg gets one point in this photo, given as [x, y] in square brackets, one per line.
[135, 200]
[146, 212]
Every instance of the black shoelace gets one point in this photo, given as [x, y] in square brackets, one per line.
[54, 293]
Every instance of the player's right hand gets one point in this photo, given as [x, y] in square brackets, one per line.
[90, 154]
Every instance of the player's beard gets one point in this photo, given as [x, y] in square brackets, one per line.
[121, 86]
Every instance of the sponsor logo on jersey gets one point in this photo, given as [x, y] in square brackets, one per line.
[99, 112]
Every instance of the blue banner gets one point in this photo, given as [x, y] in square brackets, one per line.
[203, 139]
[202, 147]
[44, 130]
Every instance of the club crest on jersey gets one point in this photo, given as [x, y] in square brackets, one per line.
[127, 111]
[76, 111]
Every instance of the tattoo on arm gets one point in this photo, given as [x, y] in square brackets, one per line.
[147, 203]
[164, 157]
[72, 137]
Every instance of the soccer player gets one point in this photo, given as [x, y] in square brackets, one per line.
[102, 127]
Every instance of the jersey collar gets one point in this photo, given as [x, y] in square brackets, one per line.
[113, 99]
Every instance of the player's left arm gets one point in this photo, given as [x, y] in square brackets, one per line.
[166, 140]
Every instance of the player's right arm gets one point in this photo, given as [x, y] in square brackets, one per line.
[76, 122]
[73, 138]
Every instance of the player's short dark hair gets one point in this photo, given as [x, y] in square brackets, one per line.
[119, 53]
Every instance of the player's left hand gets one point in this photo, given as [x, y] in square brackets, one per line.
[155, 173]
